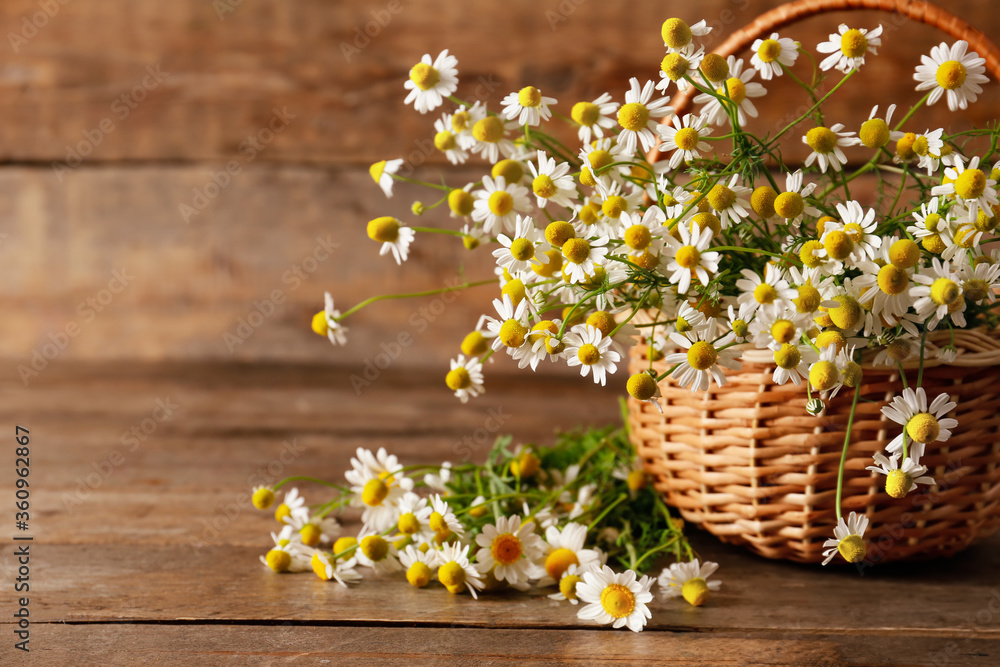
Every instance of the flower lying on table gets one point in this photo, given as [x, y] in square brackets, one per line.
[577, 517]
[818, 278]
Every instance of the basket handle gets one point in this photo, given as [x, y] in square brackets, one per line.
[768, 22]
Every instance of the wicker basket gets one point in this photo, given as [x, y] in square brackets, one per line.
[747, 462]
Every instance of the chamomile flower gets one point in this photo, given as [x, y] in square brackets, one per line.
[542, 343]
[636, 116]
[614, 200]
[414, 517]
[618, 599]
[923, 423]
[583, 257]
[497, 204]
[771, 53]
[528, 106]
[952, 72]
[431, 81]
[592, 351]
[886, 288]
[777, 327]
[518, 252]
[564, 548]
[419, 565]
[791, 362]
[700, 363]
[378, 485]
[769, 294]
[394, 236]
[729, 201]
[937, 291]
[980, 282]
[738, 321]
[929, 147]
[848, 539]
[455, 572]
[875, 132]
[465, 378]
[824, 375]
[289, 554]
[552, 182]
[684, 137]
[326, 322]
[490, 141]
[970, 185]
[634, 474]
[739, 89]
[594, 117]
[678, 66]
[677, 34]
[340, 570]
[855, 234]
[568, 581]
[791, 204]
[446, 141]
[848, 47]
[643, 233]
[377, 552]
[511, 330]
[382, 171]
[933, 221]
[901, 479]
[690, 581]
[508, 548]
[690, 257]
[293, 504]
[443, 520]
[827, 144]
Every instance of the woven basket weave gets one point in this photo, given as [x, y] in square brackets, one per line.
[748, 463]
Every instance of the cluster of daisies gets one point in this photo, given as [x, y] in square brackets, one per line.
[531, 530]
[728, 248]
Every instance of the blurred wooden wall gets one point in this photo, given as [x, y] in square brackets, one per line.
[161, 97]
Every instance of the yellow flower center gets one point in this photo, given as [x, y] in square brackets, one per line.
[706, 221]
[824, 375]
[831, 337]
[278, 560]
[488, 130]
[945, 292]
[526, 465]
[460, 202]
[408, 523]
[529, 96]
[559, 561]
[506, 549]
[787, 356]
[425, 76]
[904, 253]
[789, 205]
[933, 243]
[544, 186]
[847, 314]
[384, 229]
[783, 331]
[762, 201]
[633, 116]
[854, 231]
[460, 120]
[613, 206]
[635, 480]
[874, 133]
[852, 374]
[558, 232]
[437, 523]
[838, 245]
[458, 378]
[588, 354]
[618, 600]
[567, 586]
[714, 67]
[923, 427]
[808, 253]
[951, 75]
[374, 492]
[853, 43]
[375, 548]
[512, 333]
[687, 256]
[576, 250]
[808, 299]
[282, 511]
[445, 141]
[641, 386]
[735, 88]
[637, 237]
[310, 534]
[741, 328]
[676, 33]
[702, 355]
[852, 548]
[931, 222]
[970, 184]
[603, 321]
[769, 50]
[263, 498]
[585, 113]
[920, 145]
[898, 483]
[821, 139]
[522, 249]
[451, 574]
[675, 66]
[501, 203]
[976, 289]
[419, 574]
[687, 139]
[898, 349]
[765, 293]
[721, 197]
[695, 591]
[892, 279]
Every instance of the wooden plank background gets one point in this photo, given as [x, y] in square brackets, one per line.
[219, 72]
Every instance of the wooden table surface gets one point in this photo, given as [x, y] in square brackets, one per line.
[149, 555]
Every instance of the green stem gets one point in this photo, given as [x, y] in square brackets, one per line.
[408, 295]
[801, 118]
[621, 498]
[434, 230]
[843, 454]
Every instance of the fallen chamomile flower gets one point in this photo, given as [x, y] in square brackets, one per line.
[690, 581]
[618, 599]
